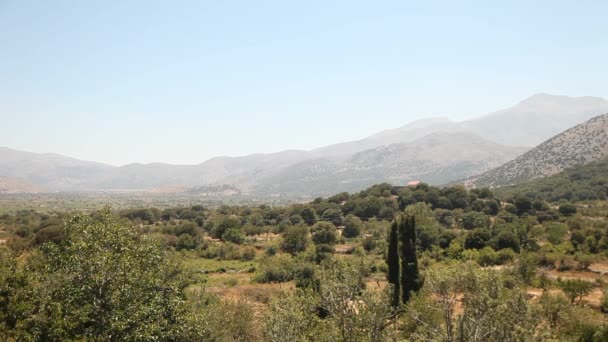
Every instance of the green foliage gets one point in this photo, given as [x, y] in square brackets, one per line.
[186, 241]
[339, 309]
[580, 183]
[556, 232]
[233, 235]
[567, 209]
[477, 239]
[393, 263]
[490, 310]
[276, 269]
[575, 288]
[411, 281]
[352, 226]
[295, 239]
[104, 281]
[324, 233]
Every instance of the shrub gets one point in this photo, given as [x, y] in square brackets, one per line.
[575, 288]
[352, 226]
[567, 209]
[295, 239]
[248, 253]
[368, 244]
[487, 257]
[322, 252]
[324, 233]
[476, 239]
[271, 250]
[233, 235]
[279, 268]
[186, 242]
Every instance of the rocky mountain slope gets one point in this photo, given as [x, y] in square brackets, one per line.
[579, 145]
[436, 158]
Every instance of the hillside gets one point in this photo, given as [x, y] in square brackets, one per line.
[579, 183]
[10, 185]
[579, 145]
[48, 170]
[436, 159]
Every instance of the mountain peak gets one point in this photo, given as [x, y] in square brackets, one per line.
[550, 99]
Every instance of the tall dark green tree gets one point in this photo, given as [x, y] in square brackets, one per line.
[410, 277]
[393, 262]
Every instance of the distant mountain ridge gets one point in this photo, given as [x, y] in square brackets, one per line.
[434, 150]
[578, 145]
[436, 158]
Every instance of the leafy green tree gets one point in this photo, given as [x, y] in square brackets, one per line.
[295, 239]
[477, 239]
[309, 216]
[567, 209]
[233, 235]
[324, 233]
[186, 241]
[507, 240]
[334, 216]
[522, 203]
[490, 311]
[105, 282]
[352, 226]
[575, 288]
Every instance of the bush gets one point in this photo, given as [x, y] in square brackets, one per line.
[507, 240]
[233, 235]
[575, 288]
[487, 257]
[222, 251]
[324, 233]
[583, 261]
[185, 242]
[368, 244]
[52, 234]
[352, 226]
[271, 250]
[476, 239]
[295, 239]
[506, 255]
[248, 253]
[276, 269]
[322, 252]
[567, 209]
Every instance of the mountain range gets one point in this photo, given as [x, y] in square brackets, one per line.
[435, 150]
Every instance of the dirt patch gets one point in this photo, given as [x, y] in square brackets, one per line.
[584, 275]
[344, 249]
[600, 267]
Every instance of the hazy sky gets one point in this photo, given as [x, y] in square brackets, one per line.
[182, 81]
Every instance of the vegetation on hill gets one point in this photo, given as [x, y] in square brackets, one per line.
[580, 183]
[579, 145]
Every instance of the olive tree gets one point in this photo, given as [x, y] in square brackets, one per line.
[105, 282]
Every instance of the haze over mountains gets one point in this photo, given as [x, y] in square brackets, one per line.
[435, 150]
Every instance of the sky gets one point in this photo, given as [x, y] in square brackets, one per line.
[184, 81]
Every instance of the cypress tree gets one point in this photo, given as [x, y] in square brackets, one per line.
[392, 261]
[410, 277]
